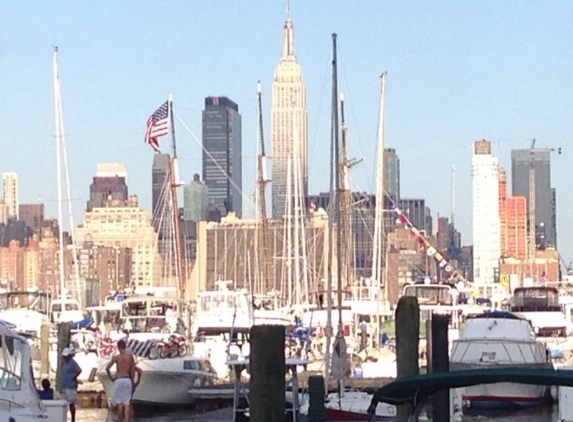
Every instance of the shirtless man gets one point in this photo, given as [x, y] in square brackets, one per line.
[123, 382]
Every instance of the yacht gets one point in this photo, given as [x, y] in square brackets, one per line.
[499, 339]
[19, 400]
[169, 371]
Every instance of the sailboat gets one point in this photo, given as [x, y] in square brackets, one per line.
[343, 405]
[157, 322]
[65, 308]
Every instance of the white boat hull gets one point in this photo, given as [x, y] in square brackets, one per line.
[164, 382]
[352, 406]
[503, 395]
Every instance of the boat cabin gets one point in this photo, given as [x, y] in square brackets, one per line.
[26, 310]
[540, 305]
[65, 310]
[35, 300]
[220, 311]
[535, 299]
[150, 314]
[433, 297]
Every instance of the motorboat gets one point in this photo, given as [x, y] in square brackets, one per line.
[19, 400]
[169, 370]
[499, 339]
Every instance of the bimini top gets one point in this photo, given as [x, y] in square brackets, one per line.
[496, 314]
[497, 325]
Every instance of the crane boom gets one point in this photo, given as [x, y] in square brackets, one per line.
[532, 242]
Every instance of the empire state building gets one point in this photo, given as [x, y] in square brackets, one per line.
[289, 141]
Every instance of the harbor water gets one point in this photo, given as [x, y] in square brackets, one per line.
[543, 414]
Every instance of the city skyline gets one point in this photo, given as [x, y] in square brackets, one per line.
[461, 74]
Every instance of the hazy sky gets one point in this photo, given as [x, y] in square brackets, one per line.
[458, 71]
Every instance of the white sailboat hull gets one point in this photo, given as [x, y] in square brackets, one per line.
[352, 406]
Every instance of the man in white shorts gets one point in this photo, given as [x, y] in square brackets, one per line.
[122, 382]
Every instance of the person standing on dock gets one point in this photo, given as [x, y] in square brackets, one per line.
[123, 382]
[70, 372]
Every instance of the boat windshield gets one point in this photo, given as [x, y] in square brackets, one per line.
[68, 306]
[11, 363]
[217, 301]
[531, 299]
[152, 316]
[37, 301]
[430, 294]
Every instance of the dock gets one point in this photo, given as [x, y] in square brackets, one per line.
[91, 395]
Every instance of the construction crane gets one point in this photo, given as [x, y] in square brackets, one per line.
[532, 196]
[267, 283]
[532, 241]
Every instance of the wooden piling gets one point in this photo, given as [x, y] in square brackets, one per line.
[440, 363]
[267, 369]
[63, 342]
[407, 345]
[316, 394]
[45, 351]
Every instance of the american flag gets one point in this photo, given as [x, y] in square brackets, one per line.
[157, 125]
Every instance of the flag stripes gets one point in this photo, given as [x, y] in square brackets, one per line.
[157, 125]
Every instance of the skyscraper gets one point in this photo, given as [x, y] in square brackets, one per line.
[10, 182]
[513, 221]
[109, 185]
[195, 200]
[545, 216]
[288, 124]
[486, 222]
[222, 154]
[392, 166]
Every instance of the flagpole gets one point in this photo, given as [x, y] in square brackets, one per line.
[171, 123]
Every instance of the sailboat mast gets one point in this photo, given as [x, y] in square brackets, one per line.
[289, 232]
[175, 183]
[330, 257]
[267, 283]
[337, 203]
[58, 118]
[379, 233]
[344, 195]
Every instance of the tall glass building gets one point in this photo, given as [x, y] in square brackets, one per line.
[222, 154]
[545, 215]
